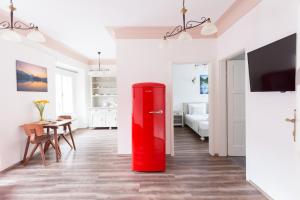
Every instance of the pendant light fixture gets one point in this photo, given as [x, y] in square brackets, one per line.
[208, 28]
[8, 29]
[99, 63]
[99, 69]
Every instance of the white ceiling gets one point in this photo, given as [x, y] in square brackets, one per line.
[80, 24]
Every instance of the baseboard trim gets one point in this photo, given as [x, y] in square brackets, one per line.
[11, 167]
[260, 190]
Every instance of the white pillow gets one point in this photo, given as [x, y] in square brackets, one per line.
[198, 109]
[190, 108]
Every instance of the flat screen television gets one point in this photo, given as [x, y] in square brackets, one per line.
[273, 67]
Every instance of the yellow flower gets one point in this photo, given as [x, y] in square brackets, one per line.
[41, 101]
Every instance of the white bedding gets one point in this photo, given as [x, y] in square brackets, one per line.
[203, 125]
[199, 123]
[196, 117]
[203, 128]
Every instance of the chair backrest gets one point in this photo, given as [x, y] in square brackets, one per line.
[65, 117]
[36, 129]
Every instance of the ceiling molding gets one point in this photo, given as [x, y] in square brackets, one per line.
[52, 43]
[235, 12]
[63, 49]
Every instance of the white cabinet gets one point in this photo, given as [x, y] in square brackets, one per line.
[98, 118]
[103, 117]
[111, 117]
[103, 98]
[103, 92]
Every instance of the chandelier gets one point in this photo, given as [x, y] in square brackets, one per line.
[208, 28]
[9, 28]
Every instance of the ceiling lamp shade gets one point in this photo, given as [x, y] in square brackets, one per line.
[209, 28]
[11, 35]
[185, 36]
[36, 36]
[164, 44]
[8, 29]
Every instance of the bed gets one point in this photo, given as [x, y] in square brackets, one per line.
[196, 117]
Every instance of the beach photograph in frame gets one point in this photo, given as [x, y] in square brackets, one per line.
[31, 78]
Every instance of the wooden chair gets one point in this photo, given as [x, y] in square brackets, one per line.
[35, 135]
[66, 130]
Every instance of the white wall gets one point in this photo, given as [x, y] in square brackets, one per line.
[298, 83]
[17, 107]
[142, 61]
[298, 102]
[184, 90]
[271, 155]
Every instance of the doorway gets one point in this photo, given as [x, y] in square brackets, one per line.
[190, 107]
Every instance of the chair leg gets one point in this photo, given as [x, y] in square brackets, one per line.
[59, 151]
[42, 153]
[31, 154]
[46, 146]
[67, 141]
[26, 149]
[53, 145]
[70, 131]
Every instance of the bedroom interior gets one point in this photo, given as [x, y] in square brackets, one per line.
[190, 98]
[190, 104]
[150, 100]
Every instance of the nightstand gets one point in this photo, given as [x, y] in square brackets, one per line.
[178, 118]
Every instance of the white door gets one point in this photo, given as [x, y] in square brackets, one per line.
[236, 107]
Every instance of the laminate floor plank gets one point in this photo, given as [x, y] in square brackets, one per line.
[95, 171]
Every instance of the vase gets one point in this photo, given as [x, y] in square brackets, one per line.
[41, 116]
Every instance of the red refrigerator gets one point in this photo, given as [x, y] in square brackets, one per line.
[148, 127]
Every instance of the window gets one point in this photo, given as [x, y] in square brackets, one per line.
[64, 94]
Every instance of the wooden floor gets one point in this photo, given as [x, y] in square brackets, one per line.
[95, 171]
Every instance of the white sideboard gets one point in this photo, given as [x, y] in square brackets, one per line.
[103, 117]
[103, 98]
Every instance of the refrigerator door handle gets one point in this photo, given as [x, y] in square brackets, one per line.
[159, 112]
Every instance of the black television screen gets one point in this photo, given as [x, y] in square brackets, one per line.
[273, 67]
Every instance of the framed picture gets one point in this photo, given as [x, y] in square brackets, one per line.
[31, 78]
[203, 84]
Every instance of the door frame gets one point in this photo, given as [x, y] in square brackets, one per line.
[210, 72]
[221, 112]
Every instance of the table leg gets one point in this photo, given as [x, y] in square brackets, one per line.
[56, 145]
